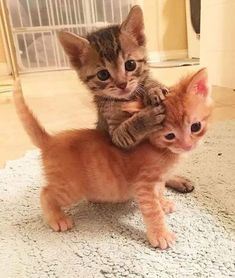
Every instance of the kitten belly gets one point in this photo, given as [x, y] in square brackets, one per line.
[107, 199]
[108, 191]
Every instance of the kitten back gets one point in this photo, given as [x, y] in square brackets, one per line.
[34, 129]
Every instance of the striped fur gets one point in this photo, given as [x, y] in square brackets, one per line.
[109, 48]
[106, 43]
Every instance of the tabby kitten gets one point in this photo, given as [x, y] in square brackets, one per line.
[112, 62]
[84, 164]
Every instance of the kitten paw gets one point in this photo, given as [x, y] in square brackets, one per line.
[180, 184]
[158, 116]
[155, 96]
[167, 205]
[149, 119]
[154, 116]
[61, 224]
[162, 239]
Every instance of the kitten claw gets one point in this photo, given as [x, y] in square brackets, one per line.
[154, 97]
[159, 109]
[158, 114]
[165, 91]
[62, 224]
[180, 184]
[162, 239]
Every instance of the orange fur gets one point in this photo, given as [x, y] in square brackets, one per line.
[84, 164]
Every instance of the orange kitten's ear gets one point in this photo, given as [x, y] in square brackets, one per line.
[134, 24]
[199, 83]
[75, 47]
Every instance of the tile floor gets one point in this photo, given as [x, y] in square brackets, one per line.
[61, 102]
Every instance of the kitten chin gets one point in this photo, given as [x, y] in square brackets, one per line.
[125, 94]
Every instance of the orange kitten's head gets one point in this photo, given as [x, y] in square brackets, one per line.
[188, 107]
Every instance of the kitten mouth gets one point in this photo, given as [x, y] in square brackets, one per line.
[124, 93]
[177, 151]
[181, 151]
[131, 91]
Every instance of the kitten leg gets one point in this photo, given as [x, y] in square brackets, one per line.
[167, 205]
[153, 214]
[51, 205]
[180, 184]
[130, 132]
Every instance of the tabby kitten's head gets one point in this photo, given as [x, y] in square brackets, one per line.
[112, 60]
[188, 107]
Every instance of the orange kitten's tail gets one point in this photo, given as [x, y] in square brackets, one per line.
[36, 132]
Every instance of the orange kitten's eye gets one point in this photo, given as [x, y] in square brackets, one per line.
[103, 75]
[195, 127]
[130, 65]
[170, 136]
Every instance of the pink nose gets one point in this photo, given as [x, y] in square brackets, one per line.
[121, 85]
[187, 147]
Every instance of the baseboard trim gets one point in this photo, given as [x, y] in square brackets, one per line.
[158, 56]
[4, 69]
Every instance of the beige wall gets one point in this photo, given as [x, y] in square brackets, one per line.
[165, 24]
[217, 45]
[151, 22]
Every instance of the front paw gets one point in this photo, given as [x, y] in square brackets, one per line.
[150, 118]
[180, 184]
[161, 238]
[155, 96]
[60, 223]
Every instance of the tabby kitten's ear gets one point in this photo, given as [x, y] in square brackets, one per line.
[199, 83]
[75, 47]
[134, 25]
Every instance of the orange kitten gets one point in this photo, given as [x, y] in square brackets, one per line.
[84, 164]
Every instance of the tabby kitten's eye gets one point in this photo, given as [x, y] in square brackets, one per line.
[170, 136]
[195, 127]
[130, 65]
[103, 75]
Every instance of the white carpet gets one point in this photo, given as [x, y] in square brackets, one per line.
[109, 240]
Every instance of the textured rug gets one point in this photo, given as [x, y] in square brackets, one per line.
[109, 240]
